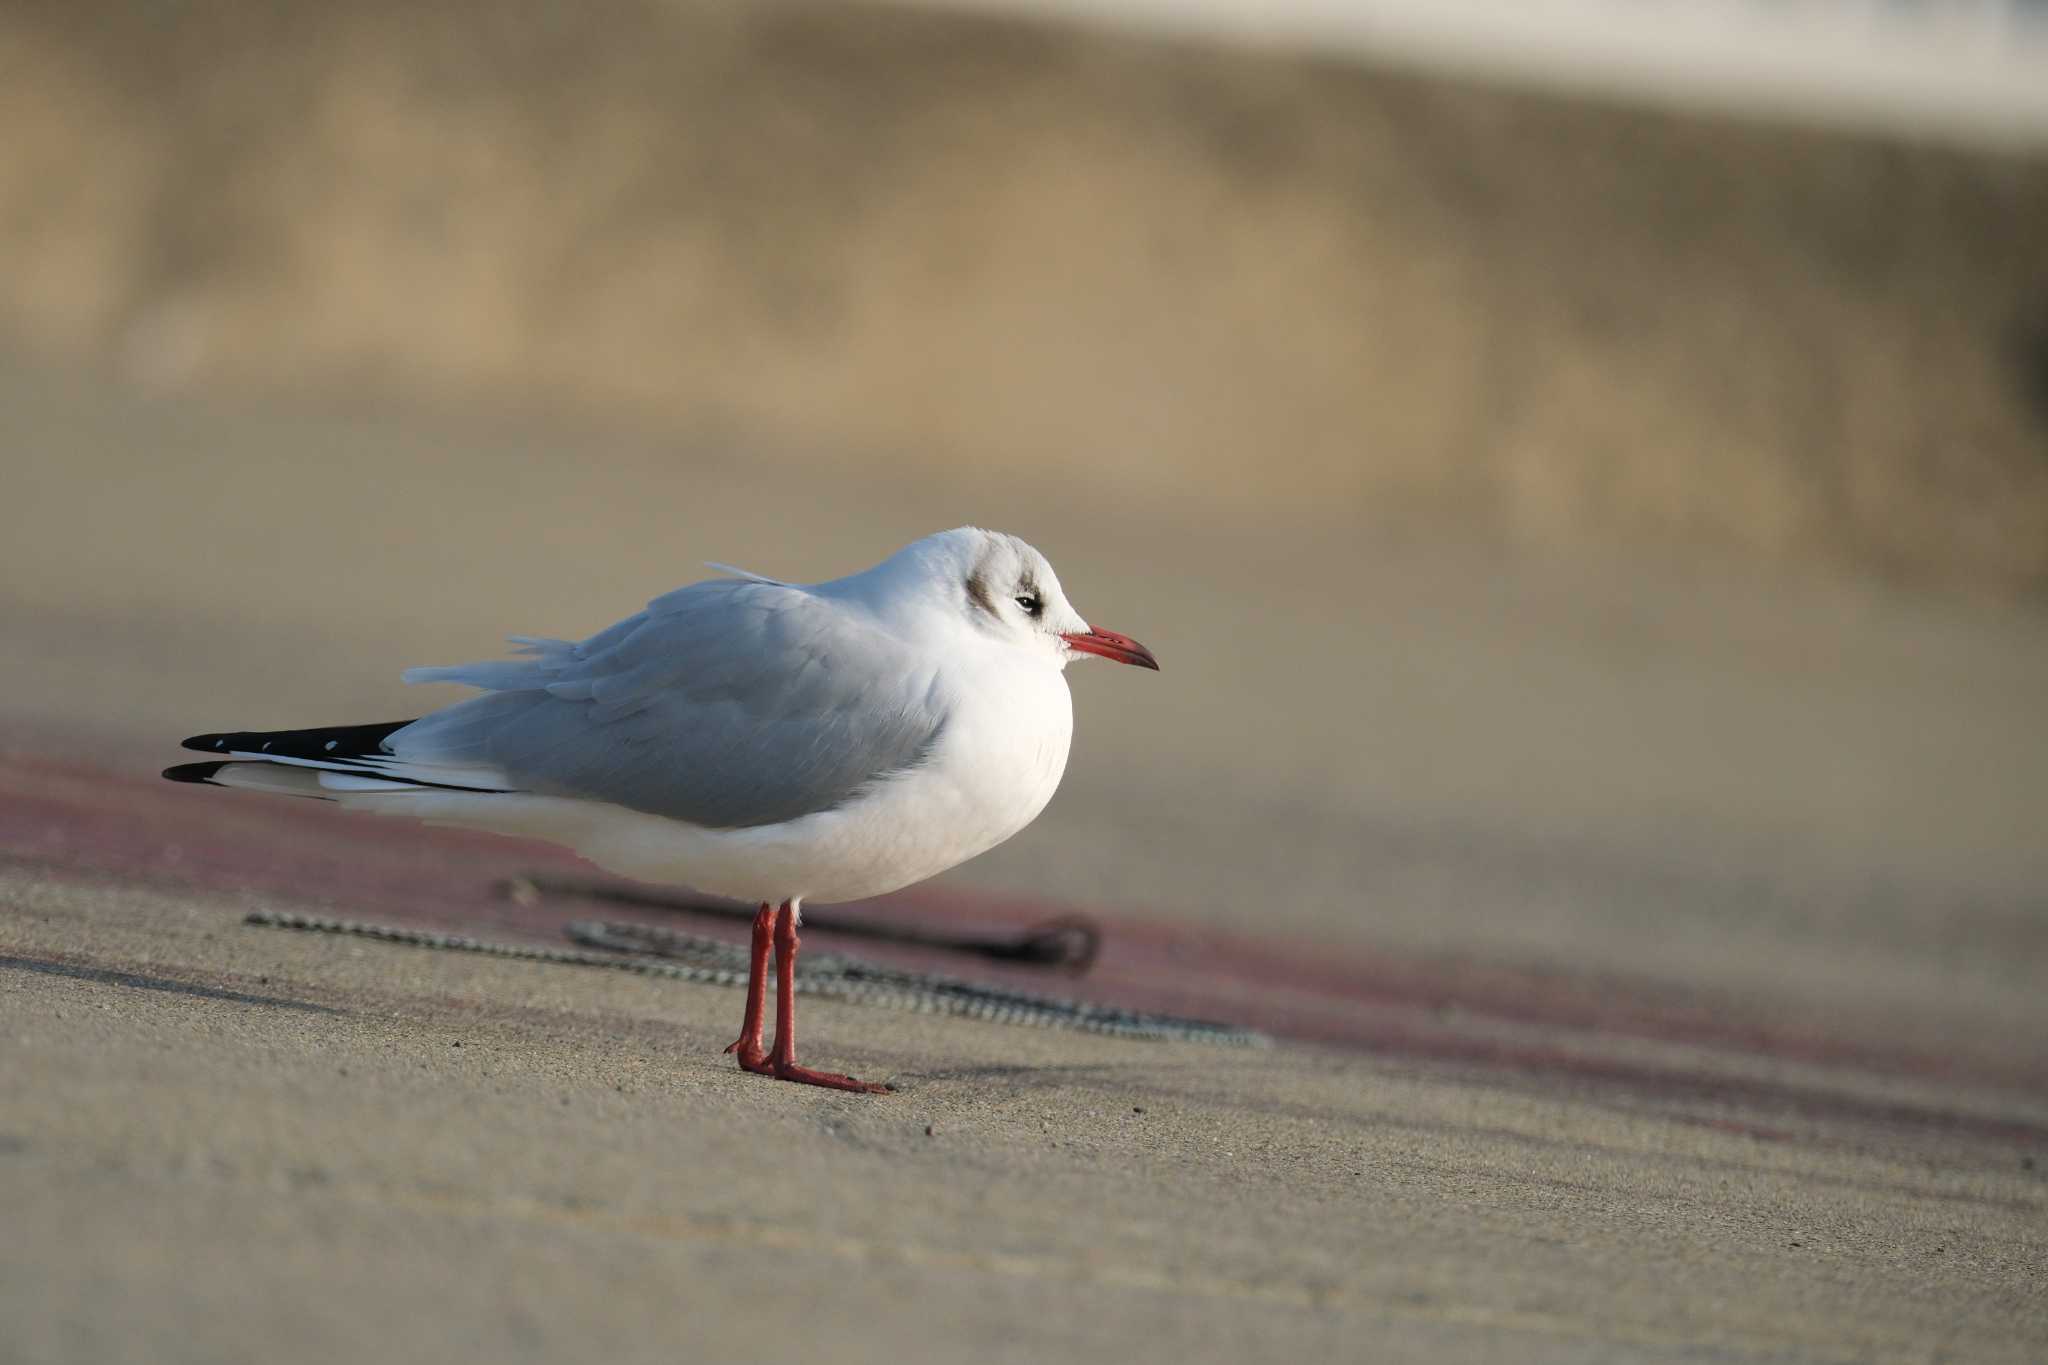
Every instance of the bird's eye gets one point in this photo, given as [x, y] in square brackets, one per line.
[1032, 606]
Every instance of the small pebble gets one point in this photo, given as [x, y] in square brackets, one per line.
[928, 1131]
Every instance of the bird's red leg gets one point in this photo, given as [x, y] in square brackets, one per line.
[752, 1055]
[782, 1061]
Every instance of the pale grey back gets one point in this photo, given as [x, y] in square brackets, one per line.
[725, 704]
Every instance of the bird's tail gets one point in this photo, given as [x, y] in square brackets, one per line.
[327, 763]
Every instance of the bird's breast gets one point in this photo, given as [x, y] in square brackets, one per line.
[1001, 756]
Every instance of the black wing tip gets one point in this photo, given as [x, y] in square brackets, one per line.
[325, 741]
[194, 772]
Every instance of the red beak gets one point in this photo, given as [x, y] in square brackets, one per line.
[1111, 645]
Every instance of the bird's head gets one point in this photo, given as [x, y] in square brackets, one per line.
[1004, 588]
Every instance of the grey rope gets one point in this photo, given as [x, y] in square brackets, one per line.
[1067, 942]
[649, 951]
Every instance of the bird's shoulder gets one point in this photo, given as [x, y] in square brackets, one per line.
[771, 646]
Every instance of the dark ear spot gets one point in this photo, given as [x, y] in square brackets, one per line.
[977, 593]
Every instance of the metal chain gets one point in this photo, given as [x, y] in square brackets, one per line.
[649, 951]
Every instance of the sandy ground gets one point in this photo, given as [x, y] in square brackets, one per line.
[1753, 810]
[238, 1145]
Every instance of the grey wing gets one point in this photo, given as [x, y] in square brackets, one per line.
[723, 704]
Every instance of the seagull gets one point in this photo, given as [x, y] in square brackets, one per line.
[768, 741]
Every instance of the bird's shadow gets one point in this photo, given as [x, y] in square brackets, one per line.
[136, 981]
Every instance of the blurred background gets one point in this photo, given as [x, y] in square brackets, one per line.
[1584, 466]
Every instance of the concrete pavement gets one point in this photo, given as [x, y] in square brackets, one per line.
[1657, 957]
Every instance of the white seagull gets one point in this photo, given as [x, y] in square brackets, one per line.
[768, 741]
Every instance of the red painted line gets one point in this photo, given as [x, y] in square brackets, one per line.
[307, 856]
